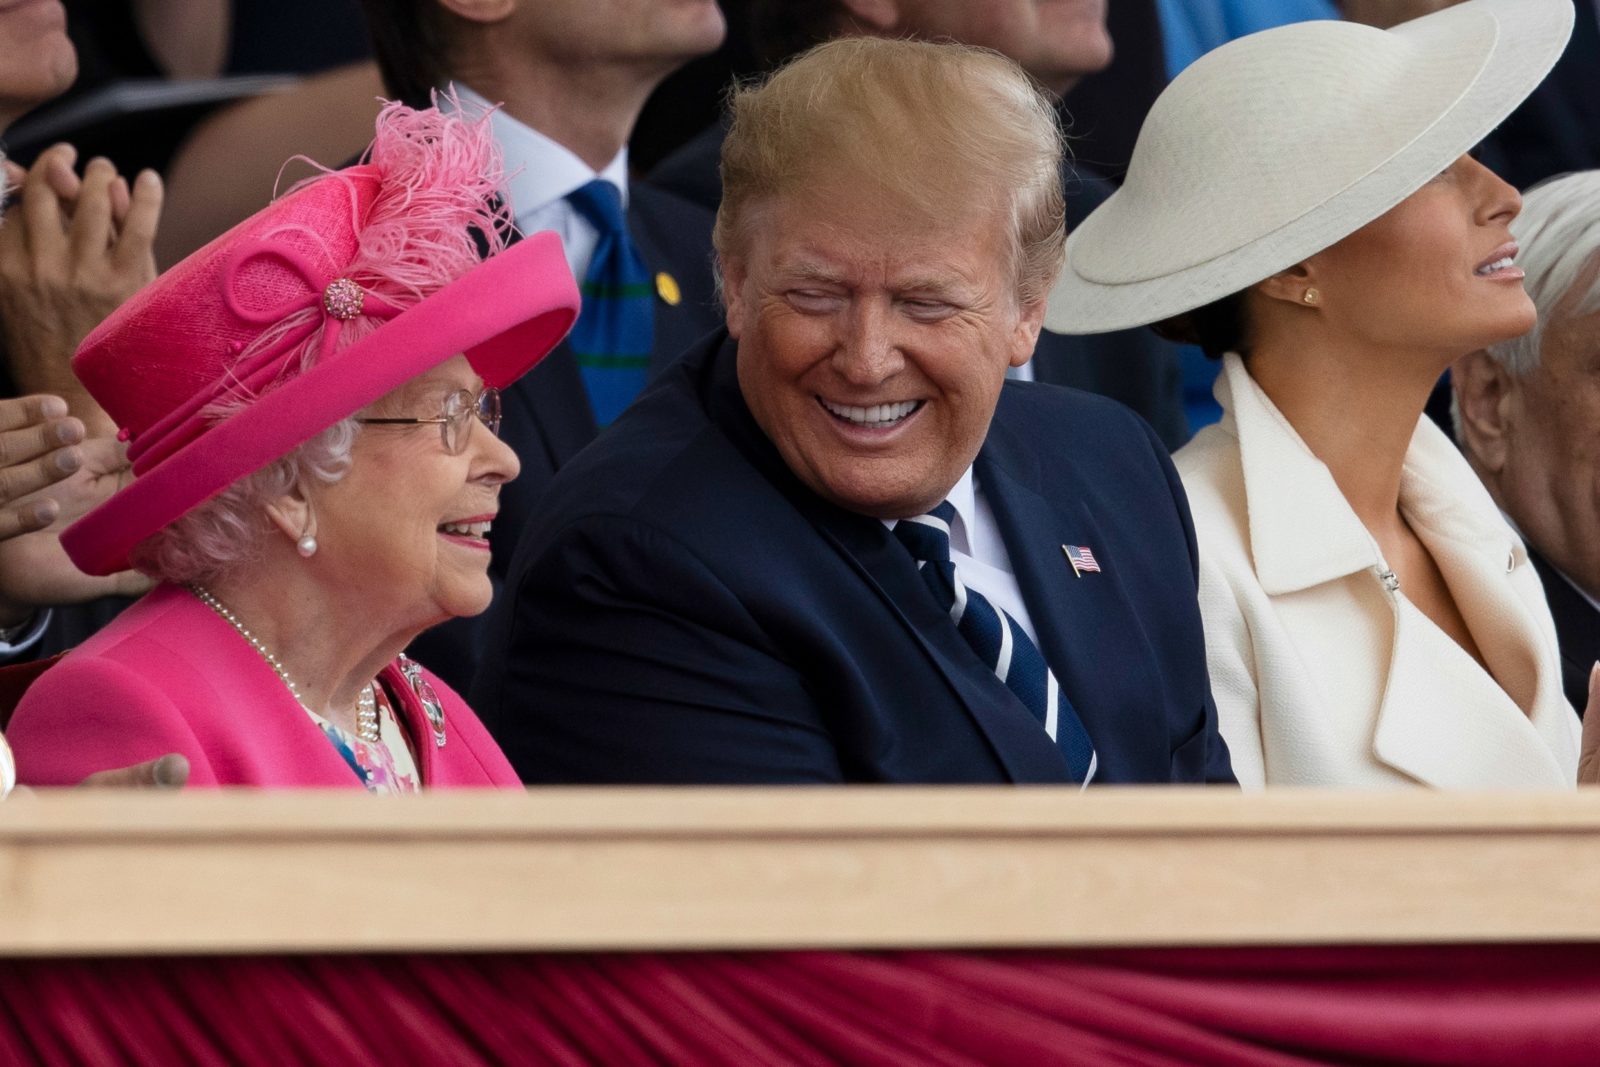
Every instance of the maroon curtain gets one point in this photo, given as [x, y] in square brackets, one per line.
[1238, 1007]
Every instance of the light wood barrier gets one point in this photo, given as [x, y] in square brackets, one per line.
[587, 869]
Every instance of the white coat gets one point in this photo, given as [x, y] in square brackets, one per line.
[1323, 674]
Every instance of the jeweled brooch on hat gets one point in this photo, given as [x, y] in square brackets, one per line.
[343, 298]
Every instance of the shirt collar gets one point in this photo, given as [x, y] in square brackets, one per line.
[964, 498]
[539, 171]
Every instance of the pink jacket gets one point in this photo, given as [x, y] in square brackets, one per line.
[168, 675]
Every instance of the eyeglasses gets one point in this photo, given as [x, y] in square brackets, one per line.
[455, 417]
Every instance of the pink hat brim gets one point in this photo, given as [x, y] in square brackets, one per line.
[505, 315]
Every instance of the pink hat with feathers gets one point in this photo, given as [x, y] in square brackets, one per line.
[348, 286]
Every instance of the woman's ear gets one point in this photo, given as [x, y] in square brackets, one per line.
[292, 515]
[1297, 285]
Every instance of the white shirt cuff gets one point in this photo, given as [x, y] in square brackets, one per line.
[29, 638]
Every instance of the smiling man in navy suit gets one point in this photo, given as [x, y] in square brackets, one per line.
[835, 544]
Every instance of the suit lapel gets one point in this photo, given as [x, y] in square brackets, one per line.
[553, 405]
[1456, 726]
[673, 239]
[1445, 723]
[670, 337]
[549, 404]
[1077, 618]
[879, 560]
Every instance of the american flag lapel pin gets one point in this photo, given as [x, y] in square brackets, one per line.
[1081, 559]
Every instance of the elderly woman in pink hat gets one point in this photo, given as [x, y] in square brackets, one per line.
[311, 405]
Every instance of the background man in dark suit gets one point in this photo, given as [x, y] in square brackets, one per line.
[571, 76]
[1060, 45]
[1527, 415]
[836, 544]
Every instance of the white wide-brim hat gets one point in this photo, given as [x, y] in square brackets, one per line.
[1274, 146]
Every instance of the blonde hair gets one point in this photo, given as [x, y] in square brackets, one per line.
[935, 126]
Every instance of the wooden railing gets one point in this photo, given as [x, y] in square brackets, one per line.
[100, 873]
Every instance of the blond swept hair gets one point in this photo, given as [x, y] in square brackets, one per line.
[936, 127]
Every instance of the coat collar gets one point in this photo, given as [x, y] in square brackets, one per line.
[1289, 491]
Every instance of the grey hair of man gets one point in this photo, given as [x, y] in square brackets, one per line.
[1559, 234]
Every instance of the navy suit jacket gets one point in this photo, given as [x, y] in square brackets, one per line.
[1135, 367]
[683, 610]
[1577, 631]
[547, 417]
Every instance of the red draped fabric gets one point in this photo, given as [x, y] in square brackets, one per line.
[1459, 1006]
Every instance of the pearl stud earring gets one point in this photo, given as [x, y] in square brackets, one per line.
[1311, 296]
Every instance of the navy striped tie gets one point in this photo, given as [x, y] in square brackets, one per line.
[615, 330]
[997, 638]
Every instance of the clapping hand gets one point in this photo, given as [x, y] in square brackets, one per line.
[71, 250]
[34, 569]
[38, 442]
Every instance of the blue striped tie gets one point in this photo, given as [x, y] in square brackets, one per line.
[997, 638]
[615, 330]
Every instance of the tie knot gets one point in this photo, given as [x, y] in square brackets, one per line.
[601, 203]
[927, 537]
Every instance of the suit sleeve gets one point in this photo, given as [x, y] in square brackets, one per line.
[1218, 766]
[89, 715]
[629, 660]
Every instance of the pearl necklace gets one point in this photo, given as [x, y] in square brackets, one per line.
[366, 703]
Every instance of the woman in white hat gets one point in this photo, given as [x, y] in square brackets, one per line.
[1301, 203]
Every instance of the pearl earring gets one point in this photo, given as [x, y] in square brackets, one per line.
[1311, 296]
[306, 546]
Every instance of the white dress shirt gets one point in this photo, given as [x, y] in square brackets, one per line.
[539, 175]
[979, 553]
[24, 635]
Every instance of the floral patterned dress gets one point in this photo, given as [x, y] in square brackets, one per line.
[384, 766]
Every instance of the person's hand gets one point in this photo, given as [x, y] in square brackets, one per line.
[165, 772]
[35, 571]
[71, 250]
[1589, 759]
[38, 442]
[168, 772]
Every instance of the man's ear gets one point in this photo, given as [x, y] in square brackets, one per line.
[878, 16]
[1483, 392]
[1297, 285]
[731, 270]
[1029, 323]
[481, 11]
